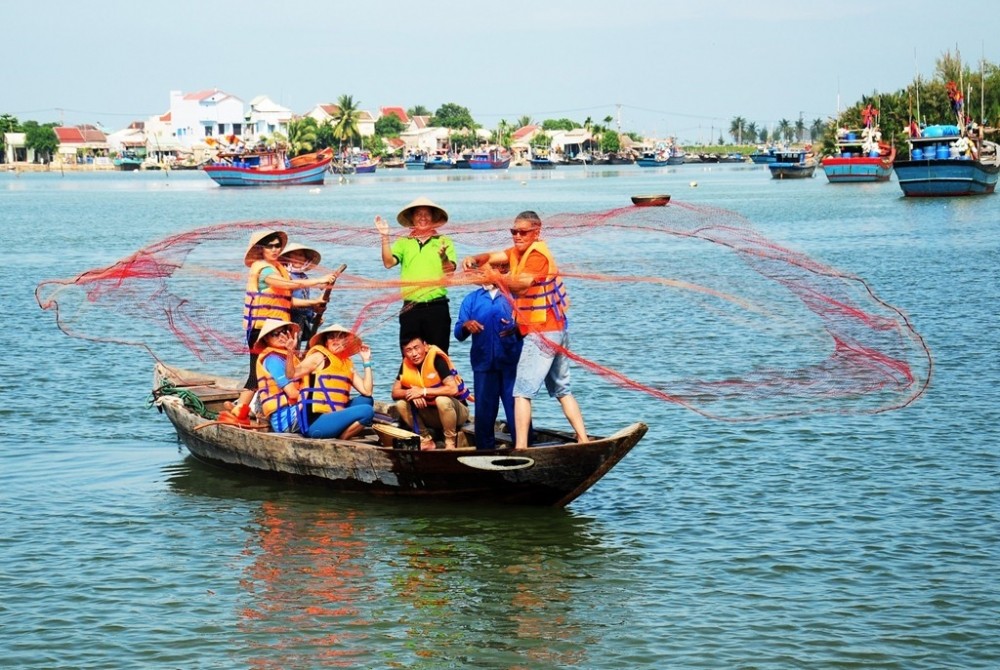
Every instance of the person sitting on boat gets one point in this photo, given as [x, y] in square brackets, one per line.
[297, 259]
[328, 374]
[488, 316]
[540, 303]
[277, 390]
[429, 393]
[425, 259]
[268, 296]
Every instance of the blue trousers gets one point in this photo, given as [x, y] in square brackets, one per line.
[491, 388]
[332, 424]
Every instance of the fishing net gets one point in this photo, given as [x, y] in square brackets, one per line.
[686, 304]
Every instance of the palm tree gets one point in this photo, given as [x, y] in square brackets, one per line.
[345, 126]
[302, 135]
[751, 131]
[800, 129]
[817, 129]
[736, 128]
[785, 130]
[524, 121]
[501, 136]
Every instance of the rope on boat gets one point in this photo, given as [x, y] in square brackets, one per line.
[190, 399]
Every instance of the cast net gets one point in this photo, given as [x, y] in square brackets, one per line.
[686, 304]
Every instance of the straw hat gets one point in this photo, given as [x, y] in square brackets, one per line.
[321, 334]
[312, 256]
[405, 216]
[274, 324]
[254, 252]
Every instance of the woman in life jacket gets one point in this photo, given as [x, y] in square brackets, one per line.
[268, 296]
[328, 374]
[278, 390]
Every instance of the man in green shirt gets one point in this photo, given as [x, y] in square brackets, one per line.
[425, 258]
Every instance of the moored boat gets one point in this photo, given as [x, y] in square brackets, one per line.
[764, 156]
[439, 162]
[415, 161]
[541, 160]
[269, 167]
[489, 160]
[554, 471]
[861, 156]
[792, 164]
[946, 161]
[650, 200]
[128, 161]
[652, 159]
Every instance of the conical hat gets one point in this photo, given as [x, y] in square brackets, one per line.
[312, 256]
[438, 214]
[274, 324]
[320, 335]
[254, 252]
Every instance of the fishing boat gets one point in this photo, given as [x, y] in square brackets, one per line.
[676, 155]
[763, 156]
[364, 163]
[652, 159]
[439, 161]
[128, 161]
[554, 471]
[792, 164]
[948, 161]
[650, 200]
[861, 156]
[415, 161]
[542, 160]
[489, 160]
[269, 167]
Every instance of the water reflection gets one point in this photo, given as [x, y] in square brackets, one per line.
[346, 581]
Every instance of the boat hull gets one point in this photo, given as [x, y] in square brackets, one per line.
[489, 164]
[553, 472]
[542, 164]
[856, 170]
[651, 162]
[946, 177]
[650, 200]
[227, 175]
[779, 171]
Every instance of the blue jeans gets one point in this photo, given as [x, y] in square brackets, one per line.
[541, 364]
[331, 424]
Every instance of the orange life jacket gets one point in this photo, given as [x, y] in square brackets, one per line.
[271, 303]
[329, 388]
[427, 376]
[271, 397]
[548, 294]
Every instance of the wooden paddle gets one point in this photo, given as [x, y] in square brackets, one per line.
[320, 309]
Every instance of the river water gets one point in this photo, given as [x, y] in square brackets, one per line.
[828, 541]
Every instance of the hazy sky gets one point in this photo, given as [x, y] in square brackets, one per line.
[668, 67]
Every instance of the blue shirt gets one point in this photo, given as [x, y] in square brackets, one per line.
[284, 419]
[499, 345]
[303, 294]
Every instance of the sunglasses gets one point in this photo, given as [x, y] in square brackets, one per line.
[521, 231]
[272, 245]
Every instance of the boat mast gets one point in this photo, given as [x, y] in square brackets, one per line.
[918, 85]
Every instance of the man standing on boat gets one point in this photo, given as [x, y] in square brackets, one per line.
[540, 304]
[425, 259]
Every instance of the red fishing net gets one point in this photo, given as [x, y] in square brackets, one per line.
[688, 304]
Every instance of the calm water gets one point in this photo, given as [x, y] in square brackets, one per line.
[823, 542]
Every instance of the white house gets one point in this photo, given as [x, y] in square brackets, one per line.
[16, 151]
[265, 118]
[195, 116]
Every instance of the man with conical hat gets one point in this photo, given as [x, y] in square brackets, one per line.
[425, 259]
[268, 296]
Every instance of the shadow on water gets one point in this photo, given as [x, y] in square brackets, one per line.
[335, 579]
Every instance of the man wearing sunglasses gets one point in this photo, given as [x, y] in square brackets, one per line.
[540, 304]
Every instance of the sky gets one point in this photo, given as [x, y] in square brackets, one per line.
[660, 68]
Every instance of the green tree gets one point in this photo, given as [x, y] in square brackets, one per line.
[345, 126]
[749, 132]
[610, 141]
[559, 124]
[8, 124]
[800, 129]
[324, 135]
[461, 140]
[541, 141]
[817, 129]
[502, 135]
[418, 110]
[302, 135]
[785, 130]
[41, 138]
[524, 121]
[389, 126]
[451, 115]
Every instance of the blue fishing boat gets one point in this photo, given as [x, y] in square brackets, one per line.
[541, 160]
[128, 161]
[269, 167]
[439, 162]
[948, 161]
[861, 157]
[763, 156]
[651, 159]
[415, 161]
[489, 160]
[792, 164]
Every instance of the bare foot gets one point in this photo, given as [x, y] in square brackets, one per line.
[427, 444]
[352, 431]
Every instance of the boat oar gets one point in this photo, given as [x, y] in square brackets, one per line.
[321, 308]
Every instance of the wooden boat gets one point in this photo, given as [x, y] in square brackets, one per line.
[792, 164]
[554, 471]
[542, 160]
[948, 161]
[489, 160]
[764, 156]
[650, 200]
[128, 161]
[269, 167]
[861, 157]
[415, 161]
